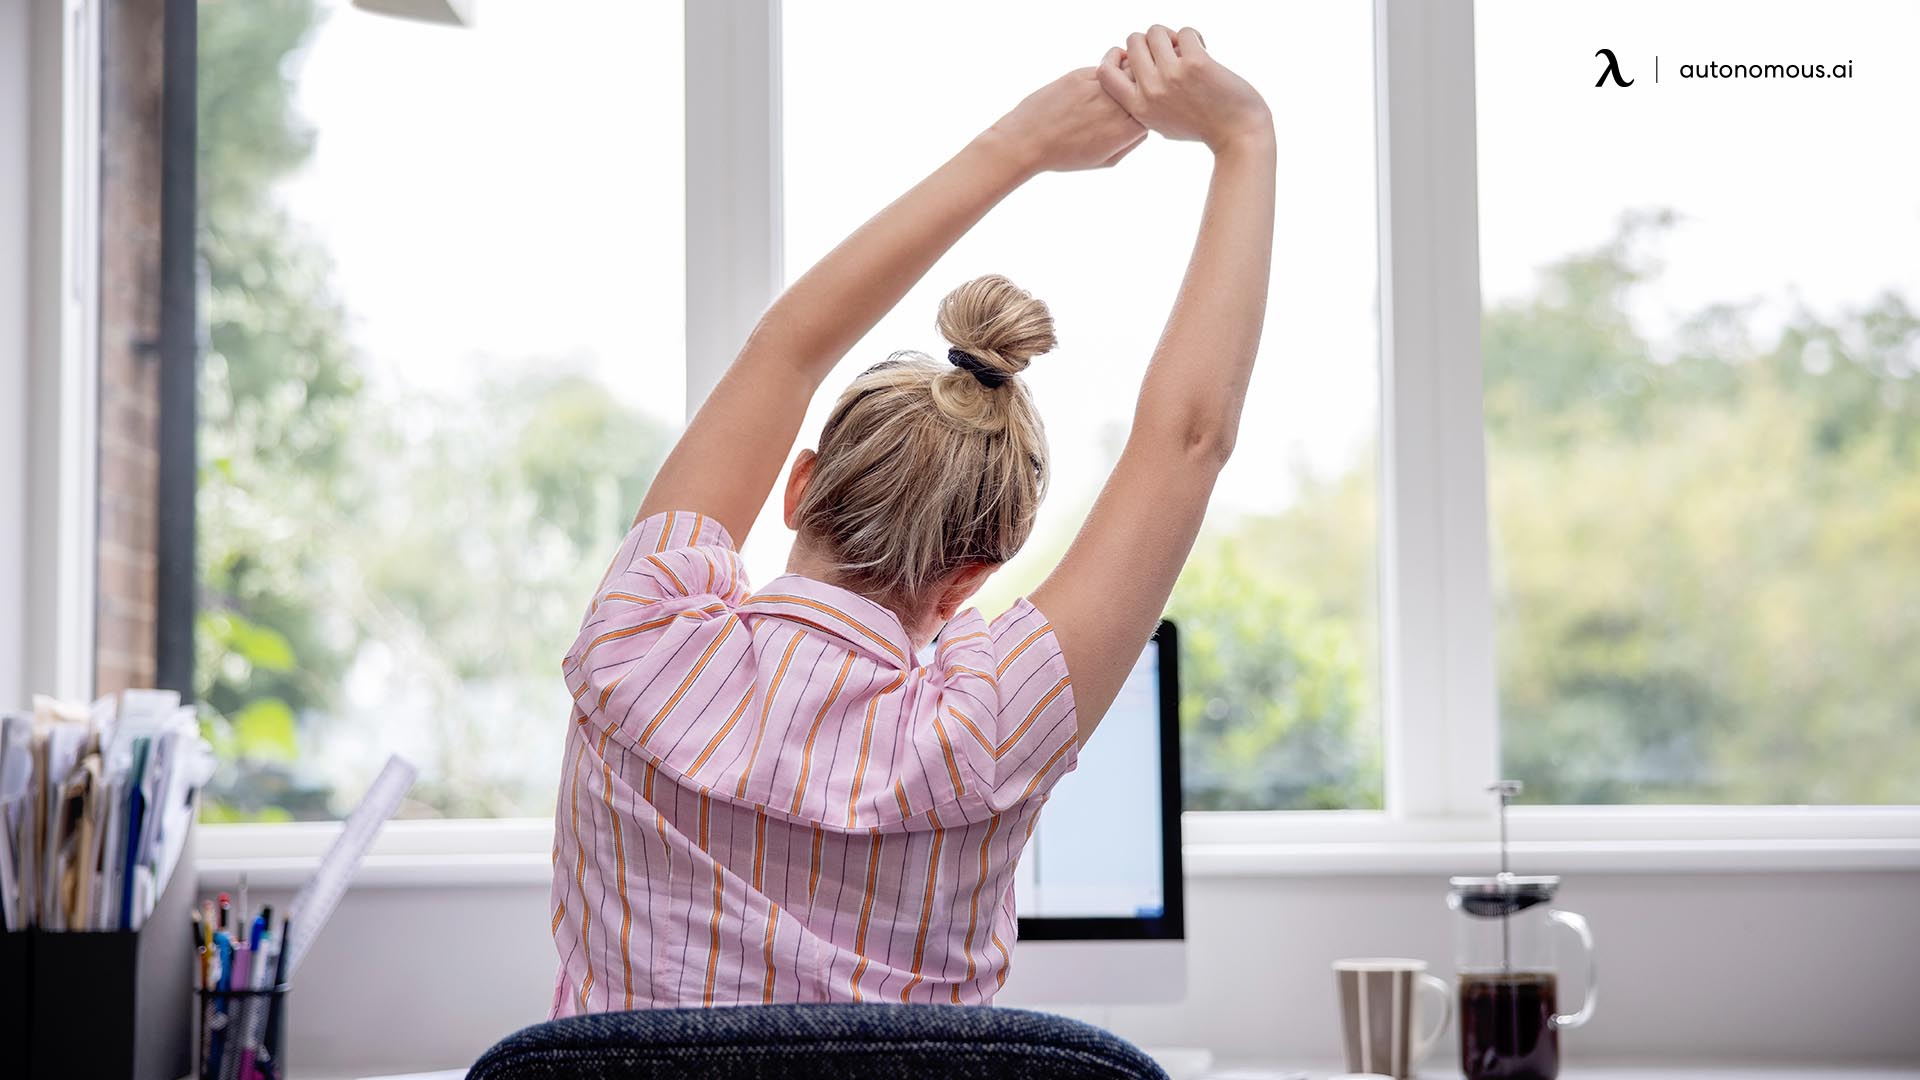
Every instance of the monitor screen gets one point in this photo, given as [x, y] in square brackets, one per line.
[1098, 851]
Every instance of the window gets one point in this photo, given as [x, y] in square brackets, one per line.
[1278, 605]
[1701, 331]
[445, 354]
[449, 338]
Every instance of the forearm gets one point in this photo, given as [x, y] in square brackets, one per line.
[1197, 380]
[823, 314]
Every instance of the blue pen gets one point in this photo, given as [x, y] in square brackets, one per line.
[217, 1045]
[259, 930]
[223, 941]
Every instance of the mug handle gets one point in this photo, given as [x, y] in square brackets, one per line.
[1425, 1043]
[1578, 925]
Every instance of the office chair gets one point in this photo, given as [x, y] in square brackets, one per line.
[816, 1042]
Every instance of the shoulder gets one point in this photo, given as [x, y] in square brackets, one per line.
[1007, 695]
[671, 530]
[1014, 660]
[677, 553]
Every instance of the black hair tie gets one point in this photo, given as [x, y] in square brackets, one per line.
[989, 376]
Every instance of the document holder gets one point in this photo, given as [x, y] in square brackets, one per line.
[103, 1003]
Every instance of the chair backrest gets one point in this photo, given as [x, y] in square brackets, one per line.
[805, 1042]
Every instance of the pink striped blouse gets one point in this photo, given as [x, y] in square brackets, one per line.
[765, 798]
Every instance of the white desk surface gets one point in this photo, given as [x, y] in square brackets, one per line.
[1252, 1071]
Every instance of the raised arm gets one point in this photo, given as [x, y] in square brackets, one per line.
[731, 453]
[1107, 594]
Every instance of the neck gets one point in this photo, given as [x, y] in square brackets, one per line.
[805, 562]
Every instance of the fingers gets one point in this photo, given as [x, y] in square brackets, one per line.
[1144, 64]
[1160, 41]
[1117, 81]
[1190, 42]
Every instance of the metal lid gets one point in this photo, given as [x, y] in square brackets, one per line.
[1500, 894]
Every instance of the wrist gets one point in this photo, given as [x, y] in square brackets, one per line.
[1252, 136]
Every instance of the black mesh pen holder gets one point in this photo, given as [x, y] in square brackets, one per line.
[242, 1034]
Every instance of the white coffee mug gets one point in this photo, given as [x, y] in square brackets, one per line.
[1379, 1009]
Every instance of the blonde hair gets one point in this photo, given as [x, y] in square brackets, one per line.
[923, 468]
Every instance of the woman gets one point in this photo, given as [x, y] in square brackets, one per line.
[787, 795]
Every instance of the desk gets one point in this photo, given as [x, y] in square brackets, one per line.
[1317, 1071]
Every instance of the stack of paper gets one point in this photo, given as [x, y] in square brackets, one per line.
[95, 804]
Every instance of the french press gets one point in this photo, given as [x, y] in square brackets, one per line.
[1503, 954]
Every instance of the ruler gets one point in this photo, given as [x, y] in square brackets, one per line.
[314, 904]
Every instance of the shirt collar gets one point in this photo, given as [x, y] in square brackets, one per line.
[867, 626]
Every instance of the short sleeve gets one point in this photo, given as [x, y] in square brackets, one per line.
[1007, 706]
[673, 568]
[676, 554]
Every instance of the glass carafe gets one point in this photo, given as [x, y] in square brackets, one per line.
[1508, 990]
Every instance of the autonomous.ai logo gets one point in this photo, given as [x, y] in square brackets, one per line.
[1612, 70]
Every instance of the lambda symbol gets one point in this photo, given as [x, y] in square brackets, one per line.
[1613, 69]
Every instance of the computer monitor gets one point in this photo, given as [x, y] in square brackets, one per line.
[1099, 894]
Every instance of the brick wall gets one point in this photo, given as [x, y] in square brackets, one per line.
[130, 163]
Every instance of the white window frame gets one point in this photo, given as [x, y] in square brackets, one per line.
[53, 384]
[1437, 668]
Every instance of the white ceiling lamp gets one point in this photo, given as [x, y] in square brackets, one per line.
[445, 12]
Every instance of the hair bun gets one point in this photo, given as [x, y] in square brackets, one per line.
[997, 321]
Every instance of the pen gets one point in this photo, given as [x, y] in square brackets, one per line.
[199, 948]
[239, 1011]
[217, 1044]
[226, 909]
[264, 1063]
[203, 945]
[254, 1018]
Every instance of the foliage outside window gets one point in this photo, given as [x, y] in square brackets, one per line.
[1701, 344]
[394, 547]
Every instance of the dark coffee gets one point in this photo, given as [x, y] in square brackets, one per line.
[1506, 1026]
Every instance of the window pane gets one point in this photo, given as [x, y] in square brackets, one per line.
[1703, 425]
[445, 356]
[1277, 605]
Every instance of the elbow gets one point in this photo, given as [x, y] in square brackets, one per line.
[1200, 441]
[1210, 447]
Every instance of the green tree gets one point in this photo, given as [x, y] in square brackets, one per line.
[1707, 547]
[1275, 705]
[379, 570]
[279, 395]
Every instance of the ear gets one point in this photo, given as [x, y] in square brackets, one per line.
[961, 585]
[797, 486]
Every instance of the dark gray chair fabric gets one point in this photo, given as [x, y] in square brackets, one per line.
[816, 1042]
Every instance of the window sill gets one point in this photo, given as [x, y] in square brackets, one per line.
[1628, 840]
[1587, 856]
